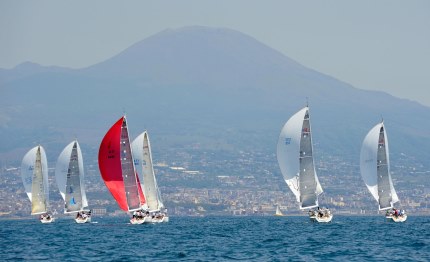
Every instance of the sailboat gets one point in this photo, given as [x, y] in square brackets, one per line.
[278, 212]
[295, 158]
[141, 148]
[118, 172]
[34, 174]
[375, 171]
[69, 174]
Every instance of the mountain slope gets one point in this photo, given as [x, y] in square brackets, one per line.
[202, 85]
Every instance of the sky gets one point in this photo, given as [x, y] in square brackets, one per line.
[377, 45]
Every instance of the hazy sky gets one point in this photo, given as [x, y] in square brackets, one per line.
[378, 45]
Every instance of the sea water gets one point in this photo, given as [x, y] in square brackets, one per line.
[218, 239]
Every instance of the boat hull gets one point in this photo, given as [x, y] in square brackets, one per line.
[396, 219]
[164, 219]
[324, 219]
[138, 221]
[47, 220]
[83, 220]
[320, 215]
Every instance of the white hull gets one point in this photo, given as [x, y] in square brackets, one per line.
[138, 221]
[321, 219]
[324, 219]
[397, 218]
[47, 220]
[164, 219]
[320, 215]
[83, 220]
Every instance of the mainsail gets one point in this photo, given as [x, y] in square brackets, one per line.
[295, 158]
[34, 174]
[117, 168]
[375, 167]
[143, 161]
[69, 174]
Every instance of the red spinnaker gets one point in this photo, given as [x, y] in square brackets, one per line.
[142, 196]
[110, 164]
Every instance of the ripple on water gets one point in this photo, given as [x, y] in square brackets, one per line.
[218, 238]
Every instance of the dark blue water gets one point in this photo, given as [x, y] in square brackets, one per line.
[219, 239]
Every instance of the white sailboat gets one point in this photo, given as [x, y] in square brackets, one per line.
[141, 148]
[69, 174]
[375, 171]
[34, 174]
[278, 212]
[295, 158]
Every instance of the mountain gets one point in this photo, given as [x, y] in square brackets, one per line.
[214, 87]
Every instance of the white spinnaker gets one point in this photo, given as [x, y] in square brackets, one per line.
[27, 167]
[27, 172]
[288, 152]
[61, 171]
[141, 149]
[368, 158]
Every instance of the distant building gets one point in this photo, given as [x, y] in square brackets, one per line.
[98, 211]
[177, 168]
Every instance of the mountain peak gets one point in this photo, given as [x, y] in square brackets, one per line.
[27, 66]
[198, 52]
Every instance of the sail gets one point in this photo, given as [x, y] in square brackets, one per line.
[34, 174]
[117, 168]
[308, 181]
[69, 174]
[278, 211]
[294, 154]
[141, 148]
[375, 167]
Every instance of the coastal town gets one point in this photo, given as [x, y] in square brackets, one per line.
[198, 182]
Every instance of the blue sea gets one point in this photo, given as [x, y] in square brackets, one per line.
[217, 239]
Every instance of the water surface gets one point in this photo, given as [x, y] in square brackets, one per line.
[218, 238]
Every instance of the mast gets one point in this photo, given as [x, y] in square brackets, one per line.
[81, 176]
[143, 160]
[38, 201]
[386, 191]
[131, 183]
[294, 154]
[375, 167]
[73, 197]
[69, 174]
[34, 174]
[307, 179]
